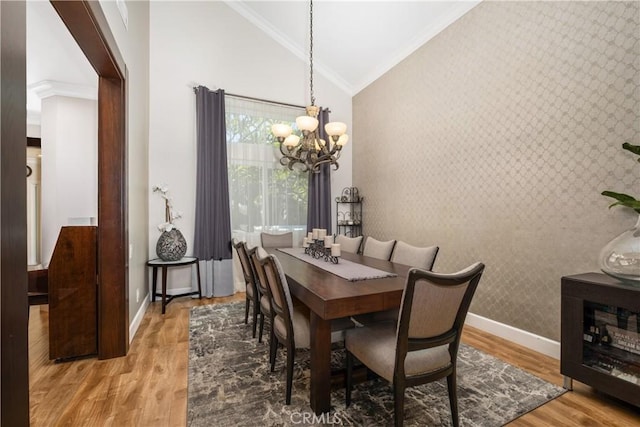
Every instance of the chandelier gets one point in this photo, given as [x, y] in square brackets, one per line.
[308, 152]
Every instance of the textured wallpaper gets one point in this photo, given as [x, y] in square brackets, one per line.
[494, 141]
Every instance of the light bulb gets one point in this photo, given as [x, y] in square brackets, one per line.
[291, 141]
[281, 130]
[307, 123]
[342, 140]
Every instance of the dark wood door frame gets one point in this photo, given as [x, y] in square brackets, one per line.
[88, 26]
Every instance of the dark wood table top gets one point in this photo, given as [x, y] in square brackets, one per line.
[332, 297]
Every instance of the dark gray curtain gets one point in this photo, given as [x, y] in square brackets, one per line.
[212, 238]
[319, 201]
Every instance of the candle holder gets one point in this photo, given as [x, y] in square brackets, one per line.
[317, 250]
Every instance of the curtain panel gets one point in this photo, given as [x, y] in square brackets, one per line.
[212, 236]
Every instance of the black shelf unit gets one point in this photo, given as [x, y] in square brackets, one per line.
[349, 212]
[600, 335]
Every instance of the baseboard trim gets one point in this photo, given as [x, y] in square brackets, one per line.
[135, 324]
[527, 339]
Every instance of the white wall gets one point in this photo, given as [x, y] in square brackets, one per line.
[207, 43]
[133, 43]
[69, 133]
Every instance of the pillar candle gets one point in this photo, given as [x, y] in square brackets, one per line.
[322, 233]
[305, 242]
[335, 249]
[314, 234]
[328, 240]
[310, 236]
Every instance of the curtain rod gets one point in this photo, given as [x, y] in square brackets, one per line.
[251, 98]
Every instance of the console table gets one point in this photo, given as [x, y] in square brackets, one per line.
[165, 265]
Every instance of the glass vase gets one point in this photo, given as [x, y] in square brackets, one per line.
[620, 258]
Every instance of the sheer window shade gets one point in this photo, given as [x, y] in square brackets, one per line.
[264, 195]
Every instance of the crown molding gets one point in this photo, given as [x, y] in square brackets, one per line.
[429, 32]
[288, 44]
[46, 88]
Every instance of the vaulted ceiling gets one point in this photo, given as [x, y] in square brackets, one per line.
[355, 42]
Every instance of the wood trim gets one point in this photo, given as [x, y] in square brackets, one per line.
[34, 142]
[14, 359]
[88, 26]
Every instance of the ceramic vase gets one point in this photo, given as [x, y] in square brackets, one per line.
[171, 245]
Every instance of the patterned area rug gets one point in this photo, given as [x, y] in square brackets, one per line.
[230, 384]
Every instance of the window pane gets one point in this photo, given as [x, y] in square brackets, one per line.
[264, 195]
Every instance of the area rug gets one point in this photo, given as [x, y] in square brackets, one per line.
[230, 384]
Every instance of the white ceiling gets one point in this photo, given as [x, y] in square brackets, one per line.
[355, 42]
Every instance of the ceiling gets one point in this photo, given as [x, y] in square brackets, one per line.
[378, 33]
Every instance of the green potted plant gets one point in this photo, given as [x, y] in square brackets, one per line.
[620, 258]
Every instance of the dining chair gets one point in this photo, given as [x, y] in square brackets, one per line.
[423, 346]
[284, 240]
[424, 258]
[256, 255]
[348, 244]
[252, 296]
[291, 322]
[377, 249]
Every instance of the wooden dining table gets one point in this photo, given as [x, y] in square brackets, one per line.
[331, 297]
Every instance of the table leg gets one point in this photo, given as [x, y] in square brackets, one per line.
[320, 390]
[164, 287]
[155, 283]
[198, 273]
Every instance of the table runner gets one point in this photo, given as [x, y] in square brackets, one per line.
[346, 269]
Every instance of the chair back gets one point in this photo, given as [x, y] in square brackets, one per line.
[247, 270]
[255, 256]
[284, 240]
[433, 309]
[424, 258]
[281, 302]
[349, 244]
[377, 249]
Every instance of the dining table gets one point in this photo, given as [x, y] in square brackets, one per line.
[329, 296]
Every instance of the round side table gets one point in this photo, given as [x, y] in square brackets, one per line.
[165, 265]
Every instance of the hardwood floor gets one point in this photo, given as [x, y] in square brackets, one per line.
[148, 387]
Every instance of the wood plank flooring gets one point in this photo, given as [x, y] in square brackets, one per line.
[148, 387]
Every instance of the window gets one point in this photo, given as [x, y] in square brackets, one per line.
[263, 194]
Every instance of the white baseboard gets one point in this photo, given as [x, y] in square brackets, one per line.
[527, 339]
[135, 324]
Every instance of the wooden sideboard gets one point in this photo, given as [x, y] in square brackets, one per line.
[72, 283]
[600, 335]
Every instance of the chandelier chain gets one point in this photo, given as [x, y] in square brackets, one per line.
[313, 99]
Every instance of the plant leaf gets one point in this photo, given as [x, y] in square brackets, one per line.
[623, 200]
[635, 149]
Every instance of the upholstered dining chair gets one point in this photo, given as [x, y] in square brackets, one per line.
[252, 296]
[284, 240]
[377, 249]
[291, 322]
[256, 255]
[423, 346]
[424, 258]
[349, 244]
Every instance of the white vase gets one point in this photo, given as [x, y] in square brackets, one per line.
[620, 258]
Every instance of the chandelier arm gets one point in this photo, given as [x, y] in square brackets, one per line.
[313, 99]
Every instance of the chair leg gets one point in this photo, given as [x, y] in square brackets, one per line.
[291, 350]
[398, 401]
[256, 308]
[349, 380]
[273, 350]
[453, 398]
[261, 326]
[246, 311]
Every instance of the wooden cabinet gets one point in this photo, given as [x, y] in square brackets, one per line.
[600, 335]
[72, 272]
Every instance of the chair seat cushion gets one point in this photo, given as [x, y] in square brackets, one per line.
[300, 320]
[375, 346]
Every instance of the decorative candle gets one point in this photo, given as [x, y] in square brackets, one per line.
[328, 240]
[310, 236]
[305, 242]
[335, 249]
[322, 232]
[314, 234]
